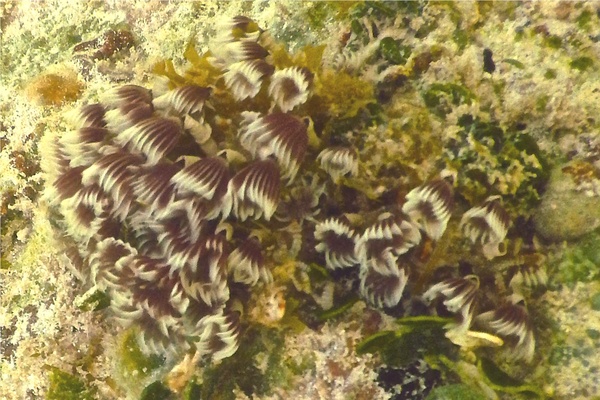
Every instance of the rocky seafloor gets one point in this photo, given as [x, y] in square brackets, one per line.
[503, 94]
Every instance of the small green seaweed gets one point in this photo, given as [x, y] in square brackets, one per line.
[424, 321]
[416, 337]
[193, 391]
[593, 333]
[440, 97]
[560, 355]
[393, 51]
[499, 380]
[157, 391]
[64, 386]
[375, 9]
[341, 94]
[96, 301]
[339, 310]
[461, 38]
[515, 63]
[458, 391]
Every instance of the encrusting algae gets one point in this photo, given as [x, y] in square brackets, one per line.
[361, 198]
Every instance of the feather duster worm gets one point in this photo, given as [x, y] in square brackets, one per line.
[339, 161]
[488, 225]
[189, 99]
[338, 241]
[382, 243]
[289, 87]
[244, 79]
[282, 136]
[383, 289]
[430, 206]
[247, 263]
[511, 321]
[456, 295]
[255, 190]
[169, 193]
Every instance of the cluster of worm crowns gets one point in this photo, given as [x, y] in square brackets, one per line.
[166, 200]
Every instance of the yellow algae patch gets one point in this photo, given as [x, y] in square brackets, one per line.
[54, 88]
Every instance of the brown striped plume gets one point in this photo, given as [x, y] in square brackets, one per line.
[126, 94]
[488, 225]
[188, 99]
[97, 199]
[382, 243]
[82, 145]
[338, 241]
[254, 190]
[203, 185]
[207, 178]
[430, 206]
[153, 137]
[511, 321]
[204, 276]
[244, 78]
[174, 242]
[247, 263]
[156, 336]
[108, 261]
[91, 115]
[339, 161]
[456, 295]
[127, 115]
[113, 173]
[153, 286]
[68, 183]
[280, 135]
[240, 22]
[219, 335]
[382, 290]
[247, 50]
[153, 187]
[290, 87]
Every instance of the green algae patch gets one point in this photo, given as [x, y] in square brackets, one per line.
[455, 392]
[318, 15]
[416, 337]
[595, 302]
[580, 263]
[581, 63]
[393, 51]
[96, 301]
[64, 386]
[157, 391]
[584, 19]
[550, 74]
[133, 362]
[553, 41]
[258, 346]
[489, 158]
[440, 97]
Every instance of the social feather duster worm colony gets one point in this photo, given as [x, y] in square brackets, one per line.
[168, 194]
